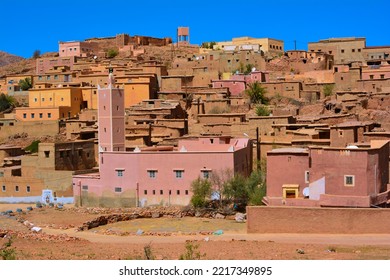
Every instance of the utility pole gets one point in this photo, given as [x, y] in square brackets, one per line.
[258, 149]
[295, 44]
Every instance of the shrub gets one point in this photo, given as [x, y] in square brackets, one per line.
[262, 110]
[201, 189]
[111, 53]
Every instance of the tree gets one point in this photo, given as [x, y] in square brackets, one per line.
[111, 53]
[248, 68]
[36, 54]
[256, 187]
[201, 189]
[235, 189]
[328, 89]
[6, 102]
[256, 93]
[25, 84]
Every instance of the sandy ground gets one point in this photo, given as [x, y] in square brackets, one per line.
[60, 240]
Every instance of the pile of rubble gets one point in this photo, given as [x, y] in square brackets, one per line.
[38, 237]
[157, 212]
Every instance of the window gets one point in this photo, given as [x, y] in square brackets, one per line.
[40, 78]
[154, 191]
[55, 77]
[62, 99]
[35, 99]
[359, 50]
[40, 115]
[32, 115]
[145, 192]
[118, 189]
[161, 192]
[307, 177]
[342, 51]
[349, 180]
[84, 188]
[28, 189]
[206, 174]
[330, 52]
[48, 78]
[186, 192]
[3, 188]
[49, 115]
[382, 76]
[353, 50]
[178, 192]
[371, 77]
[152, 173]
[24, 115]
[16, 188]
[179, 173]
[47, 153]
[1, 174]
[119, 173]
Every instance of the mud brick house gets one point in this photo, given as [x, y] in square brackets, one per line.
[154, 175]
[329, 176]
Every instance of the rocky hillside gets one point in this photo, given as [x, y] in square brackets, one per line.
[6, 58]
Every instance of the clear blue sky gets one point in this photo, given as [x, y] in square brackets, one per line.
[28, 25]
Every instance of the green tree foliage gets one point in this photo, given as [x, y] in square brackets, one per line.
[6, 102]
[256, 187]
[25, 84]
[36, 54]
[256, 93]
[235, 189]
[262, 110]
[201, 189]
[248, 68]
[208, 45]
[111, 53]
[328, 89]
[33, 147]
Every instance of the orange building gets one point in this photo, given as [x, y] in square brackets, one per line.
[52, 104]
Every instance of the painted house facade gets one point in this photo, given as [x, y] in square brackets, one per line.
[329, 177]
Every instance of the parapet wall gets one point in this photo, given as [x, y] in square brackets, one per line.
[261, 219]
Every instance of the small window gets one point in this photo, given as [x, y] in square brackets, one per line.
[154, 192]
[382, 76]
[47, 154]
[161, 192]
[353, 50]
[179, 174]
[40, 115]
[152, 173]
[186, 192]
[28, 189]
[119, 173]
[371, 77]
[43, 99]
[307, 177]
[49, 115]
[16, 188]
[349, 180]
[84, 187]
[205, 174]
[118, 189]
[342, 51]
[35, 99]
[145, 192]
[3, 188]
[178, 192]
[24, 115]
[62, 99]
[32, 115]
[359, 50]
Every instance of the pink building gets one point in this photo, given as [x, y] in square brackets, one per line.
[155, 175]
[236, 87]
[329, 177]
[238, 82]
[79, 49]
[375, 72]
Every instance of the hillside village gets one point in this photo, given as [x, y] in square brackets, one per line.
[132, 121]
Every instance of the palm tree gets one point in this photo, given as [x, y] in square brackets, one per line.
[25, 84]
[256, 93]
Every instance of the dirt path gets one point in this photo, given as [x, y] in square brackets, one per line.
[336, 239]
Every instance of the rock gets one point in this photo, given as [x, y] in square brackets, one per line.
[36, 229]
[240, 217]
[155, 215]
[219, 216]
[300, 251]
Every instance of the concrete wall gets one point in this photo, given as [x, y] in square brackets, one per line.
[317, 220]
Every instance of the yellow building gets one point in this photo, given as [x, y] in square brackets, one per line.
[267, 45]
[52, 104]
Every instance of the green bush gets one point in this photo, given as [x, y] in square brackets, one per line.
[262, 110]
[111, 53]
[201, 189]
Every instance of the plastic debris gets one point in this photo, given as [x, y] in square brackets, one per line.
[139, 232]
[218, 232]
[36, 229]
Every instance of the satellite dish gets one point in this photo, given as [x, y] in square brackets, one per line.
[253, 69]
[306, 192]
